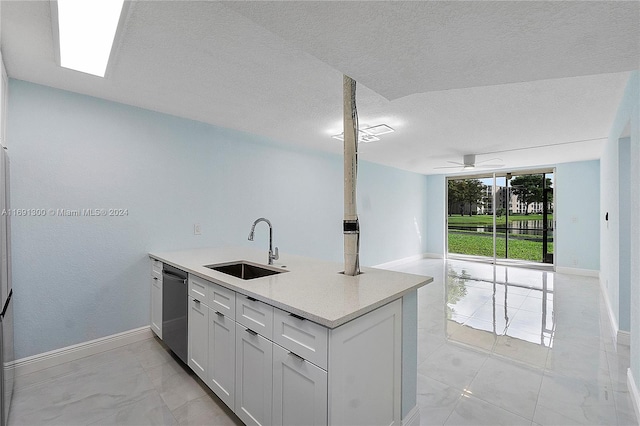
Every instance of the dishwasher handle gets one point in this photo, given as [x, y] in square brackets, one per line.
[174, 277]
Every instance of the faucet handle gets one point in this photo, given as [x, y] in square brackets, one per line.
[276, 255]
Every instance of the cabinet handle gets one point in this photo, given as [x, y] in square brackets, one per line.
[219, 313]
[251, 332]
[298, 357]
[196, 300]
[155, 278]
[297, 317]
[252, 299]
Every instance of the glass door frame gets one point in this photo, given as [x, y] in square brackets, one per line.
[494, 175]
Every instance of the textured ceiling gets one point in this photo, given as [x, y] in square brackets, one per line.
[451, 77]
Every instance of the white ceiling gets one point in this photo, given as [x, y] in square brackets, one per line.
[531, 83]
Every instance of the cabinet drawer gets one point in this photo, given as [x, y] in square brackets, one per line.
[302, 337]
[254, 315]
[222, 300]
[198, 288]
[156, 266]
[299, 391]
[156, 275]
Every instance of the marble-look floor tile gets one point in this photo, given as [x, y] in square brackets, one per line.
[474, 411]
[160, 373]
[453, 365]
[150, 410]
[73, 367]
[579, 362]
[475, 334]
[624, 408]
[583, 400]
[79, 399]
[180, 388]
[520, 350]
[154, 356]
[508, 385]
[207, 410]
[435, 400]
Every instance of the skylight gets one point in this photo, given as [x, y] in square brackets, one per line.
[87, 29]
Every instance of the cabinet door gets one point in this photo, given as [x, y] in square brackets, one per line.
[198, 337]
[254, 377]
[156, 304]
[365, 367]
[222, 356]
[299, 390]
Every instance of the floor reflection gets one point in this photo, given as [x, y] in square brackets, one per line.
[489, 306]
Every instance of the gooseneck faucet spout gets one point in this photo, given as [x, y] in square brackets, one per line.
[272, 256]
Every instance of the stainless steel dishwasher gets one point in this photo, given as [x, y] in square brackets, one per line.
[174, 310]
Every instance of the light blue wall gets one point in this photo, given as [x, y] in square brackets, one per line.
[576, 202]
[82, 278]
[436, 220]
[624, 252]
[625, 125]
[391, 203]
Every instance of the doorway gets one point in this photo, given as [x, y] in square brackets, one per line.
[502, 217]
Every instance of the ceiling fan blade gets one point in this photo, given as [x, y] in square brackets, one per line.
[455, 162]
[450, 167]
[491, 159]
[490, 166]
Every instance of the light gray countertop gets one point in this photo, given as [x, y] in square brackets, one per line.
[313, 289]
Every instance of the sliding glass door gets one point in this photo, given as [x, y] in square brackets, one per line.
[501, 216]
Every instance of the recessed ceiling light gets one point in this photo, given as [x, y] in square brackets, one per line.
[87, 29]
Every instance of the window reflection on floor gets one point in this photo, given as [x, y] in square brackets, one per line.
[499, 309]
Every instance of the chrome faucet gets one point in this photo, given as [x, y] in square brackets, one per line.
[272, 256]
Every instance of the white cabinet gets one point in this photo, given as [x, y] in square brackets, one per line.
[156, 298]
[222, 357]
[254, 377]
[272, 367]
[302, 337]
[198, 338]
[254, 315]
[299, 390]
[365, 369]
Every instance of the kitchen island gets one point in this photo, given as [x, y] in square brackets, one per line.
[307, 345]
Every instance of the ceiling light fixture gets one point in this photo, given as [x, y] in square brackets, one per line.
[368, 134]
[87, 30]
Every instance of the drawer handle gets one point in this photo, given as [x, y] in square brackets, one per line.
[252, 299]
[196, 300]
[298, 357]
[155, 278]
[219, 313]
[253, 333]
[297, 317]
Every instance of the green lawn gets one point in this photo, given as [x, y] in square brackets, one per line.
[483, 219]
[479, 244]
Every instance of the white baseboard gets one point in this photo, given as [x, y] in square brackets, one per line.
[412, 418]
[623, 338]
[577, 271]
[400, 262]
[634, 393]
[433, 256]
[71, 353]
[612, 316]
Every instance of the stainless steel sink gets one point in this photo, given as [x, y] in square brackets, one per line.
[244, 270]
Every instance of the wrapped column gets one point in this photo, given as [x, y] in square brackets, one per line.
[351, 227]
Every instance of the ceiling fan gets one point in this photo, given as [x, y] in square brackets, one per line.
[469, 163]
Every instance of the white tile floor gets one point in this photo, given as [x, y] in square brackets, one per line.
[496, 346]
